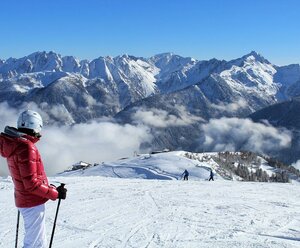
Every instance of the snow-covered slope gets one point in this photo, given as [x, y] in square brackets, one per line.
[166, 166]
[170, 166]
[114, 212]
[112, 205]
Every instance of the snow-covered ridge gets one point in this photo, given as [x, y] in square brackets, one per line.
[166, 72]
[164, 166]
[170, 166]
[113, 83]
[253, 75]
[103, 67]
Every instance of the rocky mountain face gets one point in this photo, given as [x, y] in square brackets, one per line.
[181, 92]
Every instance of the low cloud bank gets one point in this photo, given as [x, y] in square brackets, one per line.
[94, 142]
[234, 134]
[231, 107]
[62, 146]
[161, 119]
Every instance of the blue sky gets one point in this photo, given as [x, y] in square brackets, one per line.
[202, 29]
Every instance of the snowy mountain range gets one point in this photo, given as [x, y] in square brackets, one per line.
[85, 90]
[183, 92]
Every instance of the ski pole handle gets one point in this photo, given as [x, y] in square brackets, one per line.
[62, 191]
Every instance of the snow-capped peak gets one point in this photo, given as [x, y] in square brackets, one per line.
[167, 59]
[252, 74]
[254, 56]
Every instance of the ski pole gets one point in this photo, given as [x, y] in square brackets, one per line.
[17, 229]
[53, 230]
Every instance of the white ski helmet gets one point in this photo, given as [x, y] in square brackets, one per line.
[31, 120]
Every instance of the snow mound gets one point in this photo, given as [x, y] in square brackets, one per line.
[163, 166]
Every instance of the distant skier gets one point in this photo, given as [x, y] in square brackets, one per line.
[185, 175]
[211, 175]
[26, 168]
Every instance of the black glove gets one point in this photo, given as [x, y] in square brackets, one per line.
[62, 192]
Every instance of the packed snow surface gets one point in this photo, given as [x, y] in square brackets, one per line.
[166, 166]
[118, 212]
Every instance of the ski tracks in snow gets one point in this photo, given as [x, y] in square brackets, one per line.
[153, 225]
[132, 213]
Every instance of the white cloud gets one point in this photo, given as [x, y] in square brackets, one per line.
[62, 146]
[94, 142]
[58, 112]
[235, 134]
[231, 107]
[161, 118]
[90, 100]
[71, 101]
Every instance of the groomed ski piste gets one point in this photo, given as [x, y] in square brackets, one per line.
[113, 205]
[161, 166]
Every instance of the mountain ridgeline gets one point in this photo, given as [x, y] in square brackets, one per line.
[168, 86]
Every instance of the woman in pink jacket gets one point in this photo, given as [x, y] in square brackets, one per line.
[27, 171]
